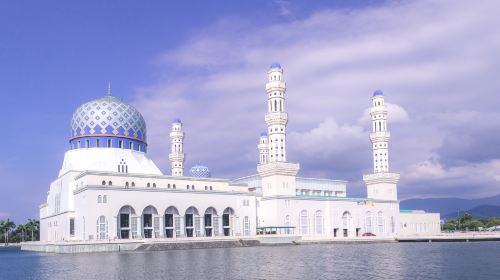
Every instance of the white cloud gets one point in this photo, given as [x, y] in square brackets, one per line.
[431, 58]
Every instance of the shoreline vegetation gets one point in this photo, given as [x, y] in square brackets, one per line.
[10, 234]
[468, 223]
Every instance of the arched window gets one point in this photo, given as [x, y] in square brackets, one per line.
[102, 228]
[210, 187]
[148, 185]
[120, 144]
[368, 222]
[380, 221]
[192, 187]
[126, 184]
[318, 221]
[187, 187]
[154, 185]
[174, 186]
[109, 143]
[98, 143]
[304, 222]
[99, 199]
[133, 184]
[104, 199]
[87, 143]
[288, 223]
[379, 126]
[104, 183]
[393, 225]
[131, 145]
[275, 105]
[110, 183]
[168, 186]
[206, 188]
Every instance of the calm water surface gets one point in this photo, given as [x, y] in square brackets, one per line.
[475, 260]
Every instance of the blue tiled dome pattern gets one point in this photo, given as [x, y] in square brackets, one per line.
[200, 171]
[108, 116]
[378, 92]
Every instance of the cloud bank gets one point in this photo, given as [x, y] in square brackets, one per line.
[436, 61]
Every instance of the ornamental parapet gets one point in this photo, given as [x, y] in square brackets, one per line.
[176, 157]
[382, 177]
[276, 118]
[176, 134]
[378, 110]
[278, 168]
[275, 86]
[380, 136]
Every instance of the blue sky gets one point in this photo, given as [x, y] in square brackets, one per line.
[205, 61]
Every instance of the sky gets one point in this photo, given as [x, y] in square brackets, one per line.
[206, 62]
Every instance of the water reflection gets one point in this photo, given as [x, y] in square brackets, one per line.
[320, 261]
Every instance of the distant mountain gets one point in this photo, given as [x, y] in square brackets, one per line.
[447, 206]
[478, 212]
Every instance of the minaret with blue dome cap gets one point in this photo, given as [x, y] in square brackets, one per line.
[263, 148]
[276, 117]
[278, 177]
[176, 155]
[382, 184]
[380, 134]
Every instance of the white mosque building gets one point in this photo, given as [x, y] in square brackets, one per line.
[108, 188]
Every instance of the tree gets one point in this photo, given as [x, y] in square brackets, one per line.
[21, 229]
[33, 226]
[6, 226]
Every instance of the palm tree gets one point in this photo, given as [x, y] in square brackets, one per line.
[6, 226]
[2, 227]
[21, 228]
[34, 226]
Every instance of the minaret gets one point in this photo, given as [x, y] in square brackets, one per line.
[278, 176]
[177, 152]
[380, 135]
[381, 184]
[263, 148]
[276, 118]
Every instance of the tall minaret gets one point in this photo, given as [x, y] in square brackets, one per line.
[380, 135]
[276, 118]
[177, 152]
[278, 176]
[381, 184]
[263, 148]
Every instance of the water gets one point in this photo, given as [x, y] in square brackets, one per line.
[474, 260]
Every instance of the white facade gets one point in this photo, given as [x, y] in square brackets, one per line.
[117, 192]
[419, 223]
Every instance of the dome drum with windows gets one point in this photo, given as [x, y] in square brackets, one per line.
[108, 122]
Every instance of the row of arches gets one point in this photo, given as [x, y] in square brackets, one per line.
[172, 223]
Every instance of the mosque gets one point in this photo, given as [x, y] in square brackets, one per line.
[108, 188]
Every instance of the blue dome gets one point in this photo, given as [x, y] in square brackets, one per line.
[275, 65]
[200, 171]
[108, 119]
[177, 120]
[378, 92]
[264, 133]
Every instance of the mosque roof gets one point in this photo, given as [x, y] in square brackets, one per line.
[378, 92]
[108, 116]
[200, 171]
